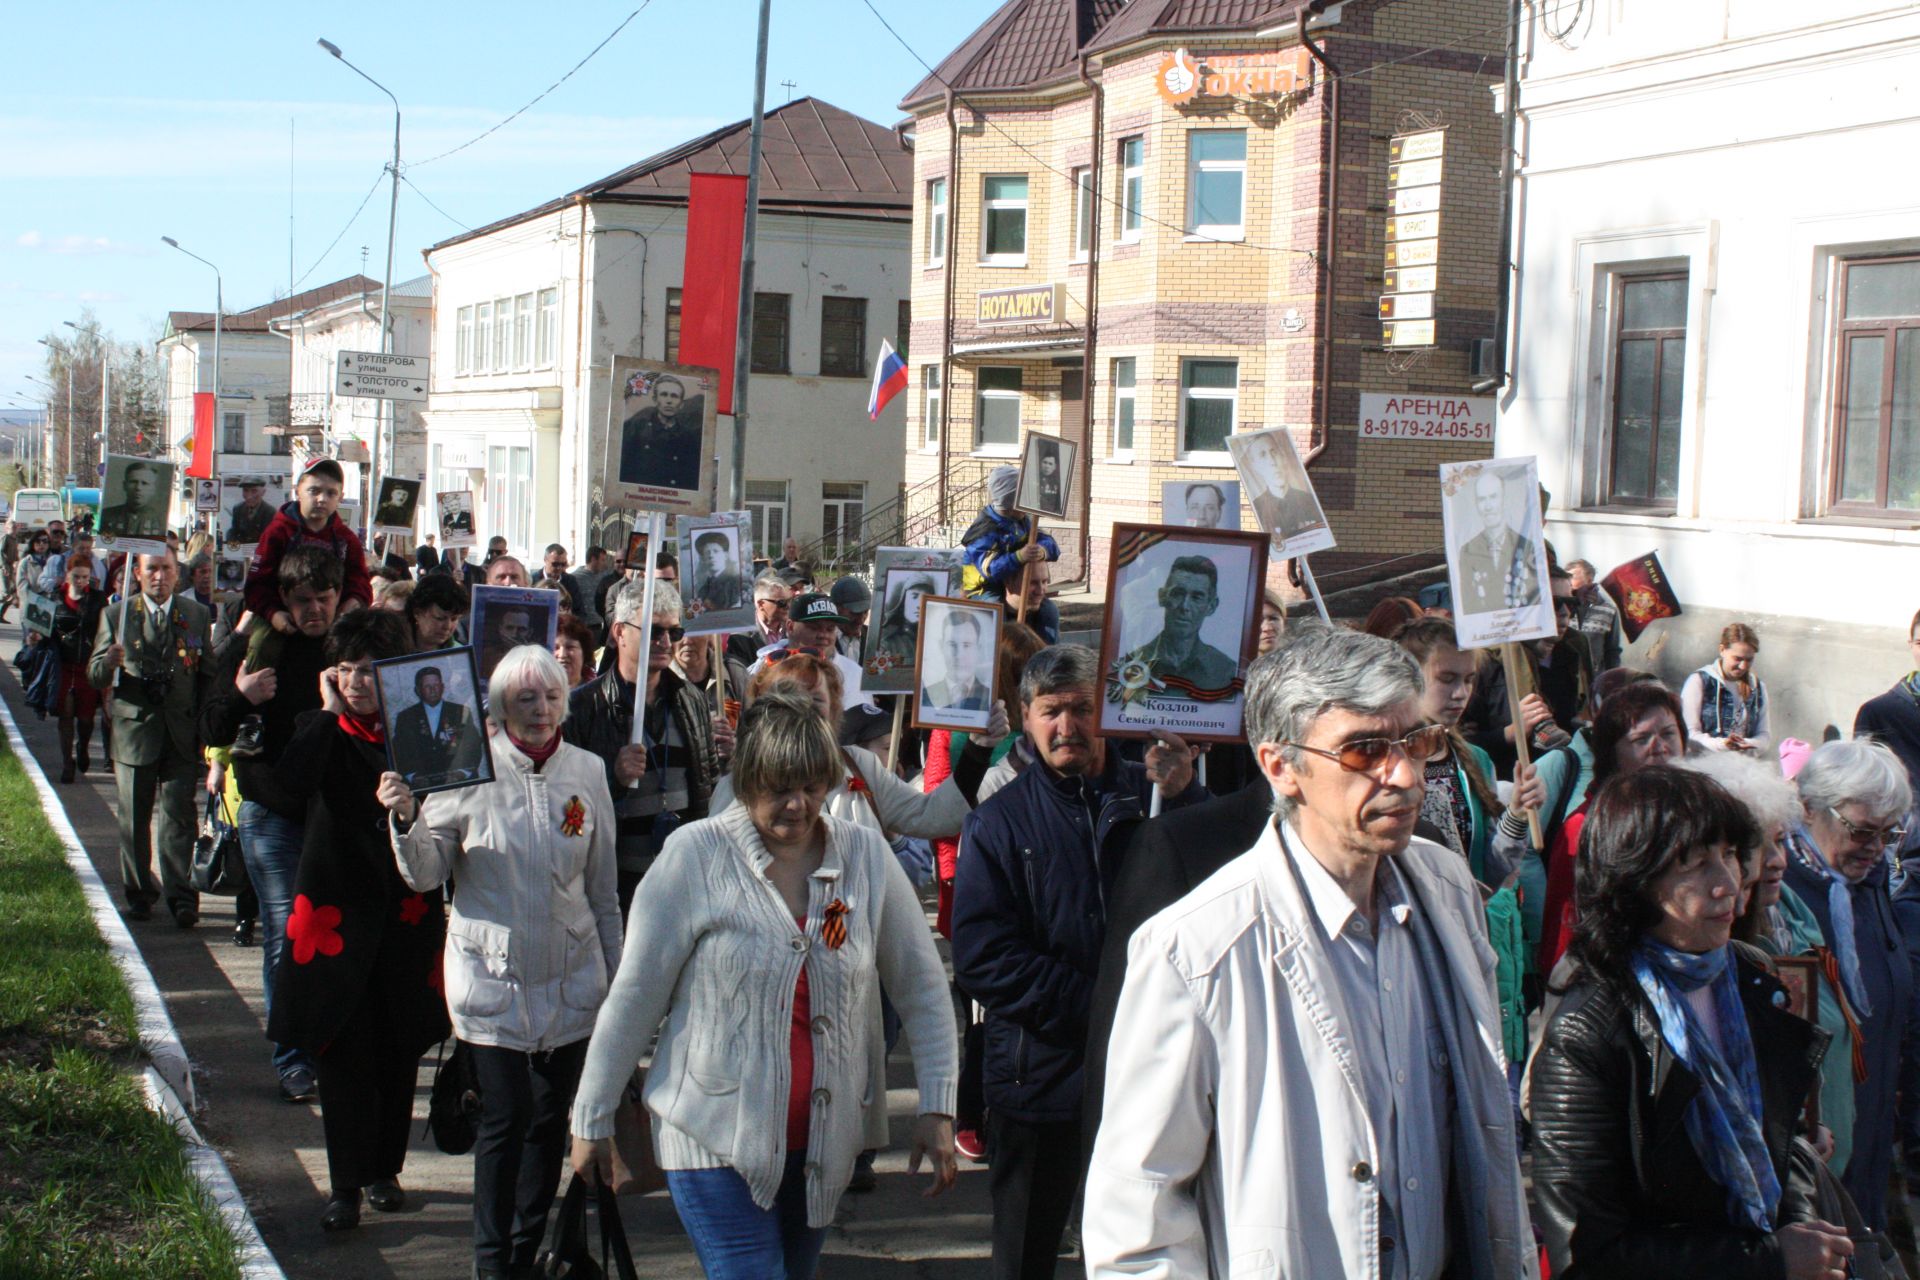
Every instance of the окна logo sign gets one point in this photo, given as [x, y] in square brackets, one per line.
[1178, 77]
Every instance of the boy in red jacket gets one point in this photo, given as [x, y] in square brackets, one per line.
[308, 521]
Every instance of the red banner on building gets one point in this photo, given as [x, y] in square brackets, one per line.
[710, 282]
[201, 468]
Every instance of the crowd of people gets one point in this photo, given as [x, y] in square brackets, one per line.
[1304, 1005]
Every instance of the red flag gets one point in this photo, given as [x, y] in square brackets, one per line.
[1643, 593]
[710, 281]
[201, 468]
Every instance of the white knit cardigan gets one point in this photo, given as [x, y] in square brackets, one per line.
[712, 950]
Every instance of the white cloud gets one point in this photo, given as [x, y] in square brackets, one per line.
[75, 244]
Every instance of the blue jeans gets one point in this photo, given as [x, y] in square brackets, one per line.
[270, 846]
[738, 1240]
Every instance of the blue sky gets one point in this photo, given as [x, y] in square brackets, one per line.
[123, 122]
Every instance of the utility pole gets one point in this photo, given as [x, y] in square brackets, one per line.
[219, 305]
[743, 331]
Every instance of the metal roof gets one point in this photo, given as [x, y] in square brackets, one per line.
[1144, 19]
[256, 319]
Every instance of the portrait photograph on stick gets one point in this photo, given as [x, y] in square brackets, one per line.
[903, 577]
[230, 573]
[206, 495]
[1046, 475]
[660, 441]
[503, 617]
[399, 498]
[716, 572]
[436, 729]
[1200, 504]
[954, 669]
[1496, 558]
[133, 510]
[250, 500]
[636, 558]
[456, 517]
[1276, 486]
[1182, 623]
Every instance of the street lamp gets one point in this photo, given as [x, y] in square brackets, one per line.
[382, 461]
[219, 305]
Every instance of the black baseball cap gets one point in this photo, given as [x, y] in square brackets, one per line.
[816, 606]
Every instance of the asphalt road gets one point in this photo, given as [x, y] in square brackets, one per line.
[278, 1155]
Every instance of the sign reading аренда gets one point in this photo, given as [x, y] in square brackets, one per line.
[1409, 416]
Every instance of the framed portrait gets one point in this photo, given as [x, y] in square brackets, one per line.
[1200, 504]
[503, 618]
[1496, 556]
[637, 556]
[1046, 475]
[1182, 625]
[953, 671]
[248, 503]
[660, 439]
[206, 495]
[1802, 976]
[133, 505]
[455, 508]
[36, 611]
[716, 572]
[436, 728]
[230, 573]
[1276, 486]
[350, 515]
[903, 578]
[399, 499]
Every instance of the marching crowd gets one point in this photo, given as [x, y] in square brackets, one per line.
[1305, 1005]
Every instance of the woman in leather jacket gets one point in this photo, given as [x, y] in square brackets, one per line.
[1670, 1084]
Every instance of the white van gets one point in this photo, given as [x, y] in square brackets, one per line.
[34, 507]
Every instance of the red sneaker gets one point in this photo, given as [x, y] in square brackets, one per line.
[967, 1143]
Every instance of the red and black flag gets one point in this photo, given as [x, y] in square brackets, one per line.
[1643, 593]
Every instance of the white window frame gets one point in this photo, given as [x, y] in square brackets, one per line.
[987, 206]
[1197, 230]
[834, 526]
[997, 449]
[482, 338]
[463, 341]
[1082, 179]
[502, 358]
[931, 397]
[936, 222]
[1133, 188]
[768, 539]
[523, 332]
[229, 419]
[546, 342]
[1128, 395]
[1207, 457]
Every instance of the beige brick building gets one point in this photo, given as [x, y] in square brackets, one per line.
[1120, 237]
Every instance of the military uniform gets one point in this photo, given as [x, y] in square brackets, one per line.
[135, 522]
[1205, 668]
[427, 756]
[721, 591]
[945, 697]
[1497, 576]
[663, 452]
[156, 740]
[249, 524]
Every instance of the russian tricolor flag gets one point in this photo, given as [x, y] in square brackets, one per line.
[889, 379]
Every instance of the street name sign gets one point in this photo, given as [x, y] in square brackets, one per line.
[371, 375]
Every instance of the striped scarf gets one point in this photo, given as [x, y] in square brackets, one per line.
[1802, 849]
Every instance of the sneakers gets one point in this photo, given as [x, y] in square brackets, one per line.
[298, 1085]
[967, 1142]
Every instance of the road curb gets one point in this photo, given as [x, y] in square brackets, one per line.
[168, 1081]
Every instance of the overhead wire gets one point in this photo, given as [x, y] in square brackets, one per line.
[430, 204]
[343, 230]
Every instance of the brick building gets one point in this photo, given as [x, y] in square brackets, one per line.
[1120, 236]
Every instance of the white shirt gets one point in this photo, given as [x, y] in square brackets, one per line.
[433, 710]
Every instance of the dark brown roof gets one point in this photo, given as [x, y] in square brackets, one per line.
[1024, 45]
[814, 157]
[255, 319]
[1142, 19]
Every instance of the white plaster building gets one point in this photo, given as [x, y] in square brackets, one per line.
[1716, 348]
[530, 311]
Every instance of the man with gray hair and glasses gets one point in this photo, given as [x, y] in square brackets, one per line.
[1029, 919]
[1310, 1040]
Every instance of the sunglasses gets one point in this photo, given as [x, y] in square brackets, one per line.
[672, 635]
[1368, 755]
[794, 651]
[1866, 836]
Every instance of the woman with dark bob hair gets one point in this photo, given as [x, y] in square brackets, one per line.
[1669, 1085]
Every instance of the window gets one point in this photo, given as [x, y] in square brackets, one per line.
[767, 504]
[930, 405]
[510, 494]
[1876, 417]
[1216, 183]
[233, 432]
[1122, 382]
[843, 337]
[672, 353]
[502, 335]
[546, 341]
[1082, 213]
[902, 327]
[996, 413]
[1132, 186]
[937, 222]
[1649, 364]
[279, 445]
[482, 336]
[1003, 219]
[843, 506]
[1209, 398]
[523, 331]
[770, 327]
[463, 341]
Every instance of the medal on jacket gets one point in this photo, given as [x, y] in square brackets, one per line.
[573, 818]
[833, 927]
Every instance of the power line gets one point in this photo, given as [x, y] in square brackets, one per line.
[543, 93]
[431, 205]
[343, 231]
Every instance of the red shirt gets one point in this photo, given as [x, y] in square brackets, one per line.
[1556, 917]
[800, 1054]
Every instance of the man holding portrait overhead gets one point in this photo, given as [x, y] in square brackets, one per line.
[1188, 598]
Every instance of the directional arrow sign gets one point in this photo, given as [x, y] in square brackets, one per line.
[381, 377]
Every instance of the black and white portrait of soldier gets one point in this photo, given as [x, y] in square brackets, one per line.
[1046, 465]
[1188, 597]
[1497, 564]
[141, 486]
[397, 500]
[717, 580]
[661, 431]
[1283, 502]
[505, 617]
[1201, 504]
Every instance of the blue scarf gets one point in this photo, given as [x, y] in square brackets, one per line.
[1723, 1121]
[1840, 913]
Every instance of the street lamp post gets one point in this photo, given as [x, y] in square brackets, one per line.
[219, 305]
[69, 362]
[382, 445]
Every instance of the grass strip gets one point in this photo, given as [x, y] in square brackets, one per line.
[92, 1183]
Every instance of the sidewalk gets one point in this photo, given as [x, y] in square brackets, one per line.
[278, 1156]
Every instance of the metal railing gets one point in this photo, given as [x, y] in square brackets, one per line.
[911, 519]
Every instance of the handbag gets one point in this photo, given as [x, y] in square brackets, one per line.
[635, 1171]
[453, 1108]
[568, 1255]
[1874, 1257]
[218, 867]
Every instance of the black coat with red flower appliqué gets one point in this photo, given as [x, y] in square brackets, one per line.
[356, 931]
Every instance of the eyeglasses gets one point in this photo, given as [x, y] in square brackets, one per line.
[1866, 836]
[1367, 755]
[672, 635]
[795, 651]
[1565, 604]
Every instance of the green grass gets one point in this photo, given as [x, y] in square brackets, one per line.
[92, 1183]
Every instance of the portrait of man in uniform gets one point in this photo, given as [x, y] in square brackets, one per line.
[661, 432]
[1497, 565]
[717, 581]
[248, 518]
[1282, 501]
[431, 708]
[1188, 597]
[1046, 464]
[142, 487]
[398, 497]
[504, 618]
